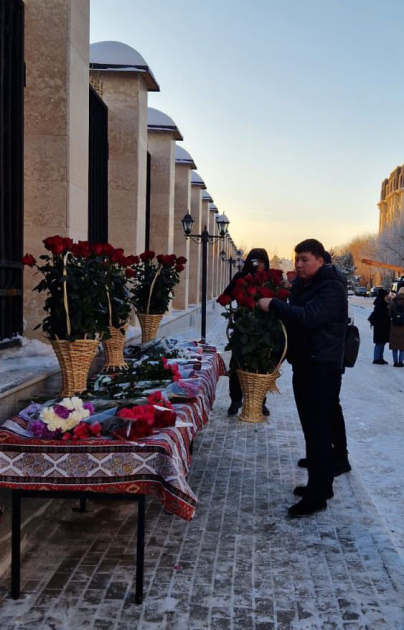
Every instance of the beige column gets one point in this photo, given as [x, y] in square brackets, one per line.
[195, 248]
[162, 133]
[55, 130]
[214, 249]
[123, 79]
[182, 206]
[206, 201]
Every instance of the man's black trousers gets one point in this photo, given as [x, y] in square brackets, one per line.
[316, 388]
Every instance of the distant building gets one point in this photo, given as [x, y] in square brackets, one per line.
[391, 198]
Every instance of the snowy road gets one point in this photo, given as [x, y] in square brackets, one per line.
[373, 402]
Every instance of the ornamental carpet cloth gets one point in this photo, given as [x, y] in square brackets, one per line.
[157, 465]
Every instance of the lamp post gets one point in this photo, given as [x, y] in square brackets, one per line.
[222, 223]
[232, 261]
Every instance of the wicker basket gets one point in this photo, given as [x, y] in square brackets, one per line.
[149, 325]
[113, 348]
[75, 359]
[255, 388]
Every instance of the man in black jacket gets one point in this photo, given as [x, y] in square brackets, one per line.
[316, 320]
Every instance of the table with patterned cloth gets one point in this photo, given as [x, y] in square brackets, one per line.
[157, 465]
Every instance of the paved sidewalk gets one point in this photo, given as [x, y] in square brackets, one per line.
[240, 564]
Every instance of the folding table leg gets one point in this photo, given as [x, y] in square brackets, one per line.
[141, 518]
[15, 543]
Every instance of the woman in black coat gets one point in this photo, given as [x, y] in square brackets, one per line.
[257, 260]
[380, 321]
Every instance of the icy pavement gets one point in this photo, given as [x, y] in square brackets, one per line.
[241, 563]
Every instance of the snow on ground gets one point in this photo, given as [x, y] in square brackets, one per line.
[372, 398]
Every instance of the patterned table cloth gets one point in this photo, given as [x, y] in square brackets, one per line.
[157, 465]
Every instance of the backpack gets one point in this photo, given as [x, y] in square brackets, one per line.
[397, 318]
[352, 343]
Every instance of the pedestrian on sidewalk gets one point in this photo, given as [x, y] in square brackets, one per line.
[257, 260]
[380, 322]
[338, 431]
[315, 319]
[396, 340]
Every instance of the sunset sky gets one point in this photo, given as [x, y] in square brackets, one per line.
[292, 109]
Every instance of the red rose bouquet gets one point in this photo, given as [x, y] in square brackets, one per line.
[154, 278]
[257, 339]
[86, 288]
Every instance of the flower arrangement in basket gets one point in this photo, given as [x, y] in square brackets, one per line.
[85, 295]
[117, 272]
[154, 279]
[257, 339]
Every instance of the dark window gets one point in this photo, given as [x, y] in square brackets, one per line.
[98, 170]
[11, 166]
[148, 193]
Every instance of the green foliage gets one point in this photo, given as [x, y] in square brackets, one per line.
[165, 278]
[257, 340]
[85, 287]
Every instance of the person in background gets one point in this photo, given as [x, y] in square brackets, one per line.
[380, 322]
[257, 260]
[315, 320]
[396, 339]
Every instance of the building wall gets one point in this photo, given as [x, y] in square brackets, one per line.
[392, 198]
[162, 150]
[55, 131]
[125, 95]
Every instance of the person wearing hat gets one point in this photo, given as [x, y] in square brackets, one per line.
[379, 320]
[257, 260]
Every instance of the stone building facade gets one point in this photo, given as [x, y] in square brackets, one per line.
[150, 186]
[391, 202]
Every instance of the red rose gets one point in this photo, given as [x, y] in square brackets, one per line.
[143, 428]
[282, 294]
[266, 292]
[129, 273]
[248, 278]
[181, 260]
[239, 282]
[117, 255]
[251, 290]
[276, 275]
[249, 302]
[54, 244]
[107, 249]
[172, 258]
[28, 260]
[147, 255]
[133, 260]
[291, 275]
[125, 413]
[179, 268]
[237, 293]
[97, 249]
[95, 429]
[67, 436]
[164, 260]
[67, 244]
[224, 299]
[84, 249]
[164, 418]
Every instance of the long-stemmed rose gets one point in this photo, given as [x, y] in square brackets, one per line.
[86, 287]
[257, 339]
[154, 278]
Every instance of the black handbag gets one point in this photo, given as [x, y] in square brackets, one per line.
[352, 343]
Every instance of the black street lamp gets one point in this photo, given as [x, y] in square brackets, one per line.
[222, 223]
[232, 261]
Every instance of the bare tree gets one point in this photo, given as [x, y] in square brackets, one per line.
[391, 243]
